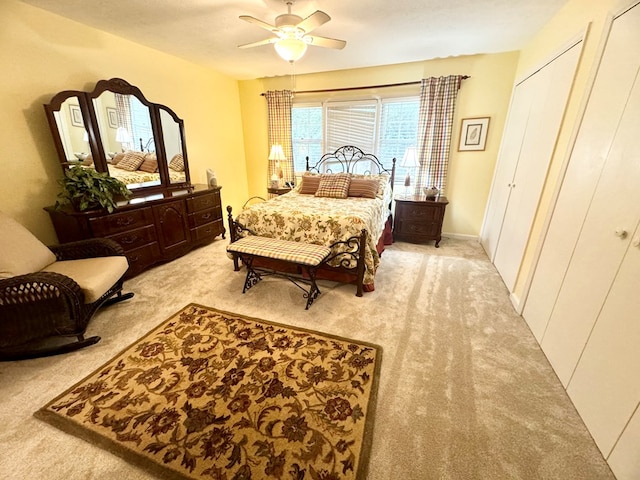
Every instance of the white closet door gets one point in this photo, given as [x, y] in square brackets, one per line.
[552, 91]
[614, 210]
[607, 101]
[606, 385]
[506, 166]
[625, 459]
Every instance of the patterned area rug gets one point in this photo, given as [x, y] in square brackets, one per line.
[216, 395]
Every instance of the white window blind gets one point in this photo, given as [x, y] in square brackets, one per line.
[351, 123]
[383, 127]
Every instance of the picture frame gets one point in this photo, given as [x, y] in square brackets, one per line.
[473, 134]
[112, 117]
[76, 116]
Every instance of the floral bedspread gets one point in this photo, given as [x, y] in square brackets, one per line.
[138, 176]
[322, 221]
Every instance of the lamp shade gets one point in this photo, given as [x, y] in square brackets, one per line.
[276, 152]
[409, 160]
[290, 49]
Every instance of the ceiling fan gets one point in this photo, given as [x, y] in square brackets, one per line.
[292, 33]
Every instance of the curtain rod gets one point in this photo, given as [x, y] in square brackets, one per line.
[346, 89]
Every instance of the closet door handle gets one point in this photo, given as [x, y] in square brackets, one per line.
[636, 242]
[621, 233]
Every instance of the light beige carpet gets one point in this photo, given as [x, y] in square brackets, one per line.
[465, 392]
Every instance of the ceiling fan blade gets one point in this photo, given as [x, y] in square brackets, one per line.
[313, 21]
[260, 23]
[324, 42]
[266, 41]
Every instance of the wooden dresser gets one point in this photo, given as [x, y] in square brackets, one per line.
[152, 229]
[419, 220]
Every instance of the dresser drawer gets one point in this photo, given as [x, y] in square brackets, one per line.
[141, 258]
[120, 222]
[204, 216]
[202, 202]
[208, 231]
[132, 239]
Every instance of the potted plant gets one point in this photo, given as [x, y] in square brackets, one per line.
[86, 188]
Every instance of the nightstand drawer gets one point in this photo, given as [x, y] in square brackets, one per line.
[429, 229]
[421, 213]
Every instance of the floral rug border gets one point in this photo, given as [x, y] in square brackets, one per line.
[133, 457]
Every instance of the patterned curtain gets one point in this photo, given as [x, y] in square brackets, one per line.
[123, 112]
[437, 105]
[279, 118]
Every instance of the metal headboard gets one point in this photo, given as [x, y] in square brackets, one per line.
[350, 159]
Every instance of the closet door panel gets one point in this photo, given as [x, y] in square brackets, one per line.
[552, 92]
[614, 210]
[606, 385]
[607, 101]
[625, 460]
[506, 165]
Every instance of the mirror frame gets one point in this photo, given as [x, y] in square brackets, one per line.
[89, 116]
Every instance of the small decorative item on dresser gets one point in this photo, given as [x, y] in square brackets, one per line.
[431, 192]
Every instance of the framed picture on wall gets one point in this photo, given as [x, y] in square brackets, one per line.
[473, 134]
[76, 115]
[112, 117]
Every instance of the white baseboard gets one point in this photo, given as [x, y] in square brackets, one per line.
[461, 236]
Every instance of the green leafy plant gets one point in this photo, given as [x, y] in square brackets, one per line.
[86, 188]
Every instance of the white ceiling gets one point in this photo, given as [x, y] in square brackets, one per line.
[378, 32]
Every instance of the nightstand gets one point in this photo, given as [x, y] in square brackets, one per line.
[419, 220]
[278, 191]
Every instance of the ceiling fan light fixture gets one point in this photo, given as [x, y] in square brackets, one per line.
[290, 49]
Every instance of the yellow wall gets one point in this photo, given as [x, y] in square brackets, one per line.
[43, 54]
[594, 17]
[486, 93]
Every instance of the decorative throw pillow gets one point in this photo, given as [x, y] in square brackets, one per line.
[117, 158]
[88, 161]
[334, 185]
[382, 178]
[150, 163]
[131, 161]
[177, 163]
[22, 252]
[310, 183]
[363, 187]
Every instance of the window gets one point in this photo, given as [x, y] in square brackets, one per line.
[384, 127]
[306, 135]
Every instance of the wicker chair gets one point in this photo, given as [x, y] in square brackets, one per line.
[48, 295]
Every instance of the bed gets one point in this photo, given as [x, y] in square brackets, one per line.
[135, 168]
[356, 228]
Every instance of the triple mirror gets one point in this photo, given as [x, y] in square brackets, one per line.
[114, 129]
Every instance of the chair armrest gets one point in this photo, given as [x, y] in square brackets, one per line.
[39, 286]
[93, 247]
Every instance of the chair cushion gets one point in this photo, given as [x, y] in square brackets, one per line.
[94, 275]
[20, 251]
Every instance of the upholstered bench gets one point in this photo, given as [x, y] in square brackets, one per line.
[304, 255]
